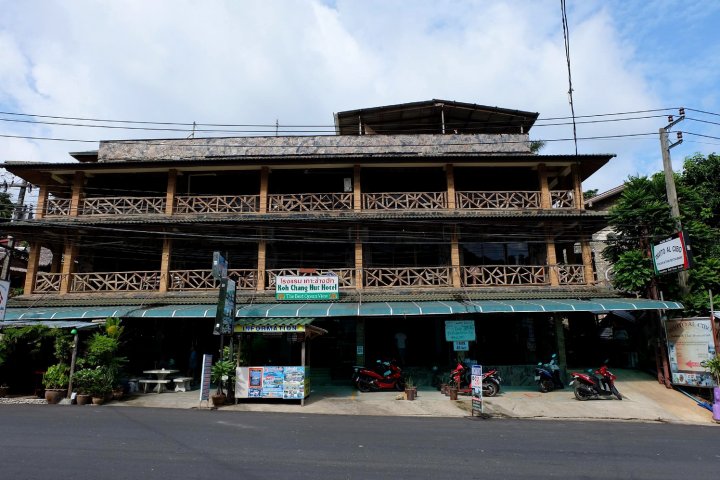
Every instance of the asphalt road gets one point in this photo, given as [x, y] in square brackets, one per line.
[86, 442]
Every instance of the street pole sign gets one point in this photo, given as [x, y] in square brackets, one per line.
[219, 266]
[225, 314]
[4, 294]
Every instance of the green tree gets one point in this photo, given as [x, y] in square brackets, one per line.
[641, 218]
[6, 205]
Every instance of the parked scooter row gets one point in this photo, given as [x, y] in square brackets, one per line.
[387, 375]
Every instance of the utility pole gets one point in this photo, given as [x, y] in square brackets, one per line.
[665, 147]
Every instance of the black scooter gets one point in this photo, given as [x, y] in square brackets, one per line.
[547, 375]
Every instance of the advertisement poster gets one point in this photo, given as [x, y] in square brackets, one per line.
[690, 343]
[255, 382]
[294, 385]
[272, 382]
[460, 330]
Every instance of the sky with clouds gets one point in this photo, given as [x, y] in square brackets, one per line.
[296, 62]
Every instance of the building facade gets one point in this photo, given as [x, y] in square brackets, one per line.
[425, 213]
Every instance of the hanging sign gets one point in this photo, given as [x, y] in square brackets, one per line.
[462, 346]
[460, 330]
[225, 315]
[219, 266]
[672, 255]
[324, 287]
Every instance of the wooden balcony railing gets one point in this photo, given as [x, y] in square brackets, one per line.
[123, 206]
[407, 277]
[404, 201]
[57, 207]
[47, 282]
[346, 276]
[498, 200]
[115, 281]
[203, 279]
[188, 204]
[246, 279]
[562, 199]
[571, 274]
[308, 202]
[500, 275]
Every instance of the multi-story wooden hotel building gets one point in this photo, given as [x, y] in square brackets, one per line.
[426, 212]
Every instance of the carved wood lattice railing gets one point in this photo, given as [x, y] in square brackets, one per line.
[56, 207]
[493, 275]
[115, 281]
[346, 276]
[123, 206]
[571, 274]
[203, 279]
[310, 202]
[47, 282]
[405, 201]
[504, 200]
[407, 277]
[216, 204]
[562, 199]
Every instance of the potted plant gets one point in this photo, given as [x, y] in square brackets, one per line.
[83, 380]
[55, 380]
[220, 373]
[410, 389]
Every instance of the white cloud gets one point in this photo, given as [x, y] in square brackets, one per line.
[298, 61]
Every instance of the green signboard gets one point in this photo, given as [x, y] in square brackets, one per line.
[307, 288]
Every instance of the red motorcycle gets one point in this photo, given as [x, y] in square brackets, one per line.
[385, 376]
[460, 378]
[591, 386]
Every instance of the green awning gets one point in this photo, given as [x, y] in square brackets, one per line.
[347, 309]
[370, 309]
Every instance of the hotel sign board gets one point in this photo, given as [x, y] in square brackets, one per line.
[325, 287]
[672, 255]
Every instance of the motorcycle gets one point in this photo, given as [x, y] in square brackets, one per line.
[460, 378]
[384, 376]
[591, 386]
[547, 375]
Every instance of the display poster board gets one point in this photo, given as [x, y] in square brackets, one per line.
[690, 343]
[282, 382]
[476, 375]
[325, 287]
[672, 254]
[205, 377]
[4, 294]
[460, 331]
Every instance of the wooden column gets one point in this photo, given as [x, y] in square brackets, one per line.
[551, 259]
[264, 173]
[450, 174]
[545, 198]
[357, 189]
[587, 262]
[32, 267]
[42, 202]
[358, 260]
[68, 265]
[77, 191]
[165, 265]
[577, 187]
[262, 247]
[171, 190]
[455, 260]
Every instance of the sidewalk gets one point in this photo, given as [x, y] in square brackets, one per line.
[644, 400]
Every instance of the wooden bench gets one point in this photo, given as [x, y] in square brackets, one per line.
[159, 384]
[182, 384]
